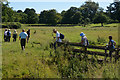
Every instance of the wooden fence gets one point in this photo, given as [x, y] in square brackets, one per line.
[105, 54]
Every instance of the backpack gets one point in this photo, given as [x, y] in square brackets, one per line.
[87, 42]
[8, 33]
[111, 46]
[61, 36]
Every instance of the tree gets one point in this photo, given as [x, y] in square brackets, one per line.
[7, 13]
[50, 17]
[43, 17]
[85, 21]
[24, 18]
[68, 14]
[77, 18]
[58, 17]
[19, 11]
[63, 12]
[89, 9]
[114, 11]
[100, 18]
[32, 17]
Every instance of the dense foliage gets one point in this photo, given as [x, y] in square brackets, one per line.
[12, 25]
[89, 12]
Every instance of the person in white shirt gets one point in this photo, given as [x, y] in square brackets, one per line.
[23, 36]
[5, 35]
[58, 40]
[83, 40]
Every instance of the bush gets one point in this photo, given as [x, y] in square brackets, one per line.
[101, 40]
[69, 64]
[13, 25]
[3, 26]
[92, 42]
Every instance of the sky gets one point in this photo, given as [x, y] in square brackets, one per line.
[59, 0]
[59, 5]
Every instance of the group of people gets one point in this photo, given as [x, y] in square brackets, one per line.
[22, 36]
[84, 42]
[7, 35]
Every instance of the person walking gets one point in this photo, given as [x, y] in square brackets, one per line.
[23, 36]
[8, 35]
[5, 35]
[111, 46]
[14, 35]
[28, 33]
[58, 40]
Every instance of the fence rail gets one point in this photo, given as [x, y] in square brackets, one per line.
[105, 54]
[89, 46]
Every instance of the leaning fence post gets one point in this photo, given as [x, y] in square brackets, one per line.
[105, 53]
[85, 51]
[116, 54]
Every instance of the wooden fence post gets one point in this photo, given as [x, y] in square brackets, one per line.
[105, 53]
[116, 54]
[85, 51]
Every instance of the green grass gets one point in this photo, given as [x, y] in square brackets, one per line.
[33, 62]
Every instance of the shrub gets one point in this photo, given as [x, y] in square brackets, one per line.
[13, 25]
[101, 40]
[3, 26]
[92, 42]
[68, 63]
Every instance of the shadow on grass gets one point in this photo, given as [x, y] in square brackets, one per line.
[100, 26]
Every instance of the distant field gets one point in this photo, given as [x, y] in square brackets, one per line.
[32, 61]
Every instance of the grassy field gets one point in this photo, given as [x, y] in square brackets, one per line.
[34, 61]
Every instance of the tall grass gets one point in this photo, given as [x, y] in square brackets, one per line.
[34, 61]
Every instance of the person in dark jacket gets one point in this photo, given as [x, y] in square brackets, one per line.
[14, 35]
[28, 33]
[8, 35]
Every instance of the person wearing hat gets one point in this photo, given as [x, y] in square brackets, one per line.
[8, 35]
[58, 40]
[5, 35]
[23, 36]
[83, 40]
[14, 35]
[111, 46]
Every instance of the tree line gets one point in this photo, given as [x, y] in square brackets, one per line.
[89, 12]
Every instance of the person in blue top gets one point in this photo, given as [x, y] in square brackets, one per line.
[8, 35]
[111, 46]
[23, 36]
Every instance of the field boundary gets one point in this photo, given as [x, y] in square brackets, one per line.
[105, 54]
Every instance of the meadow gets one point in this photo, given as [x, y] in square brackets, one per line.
[36, 60]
